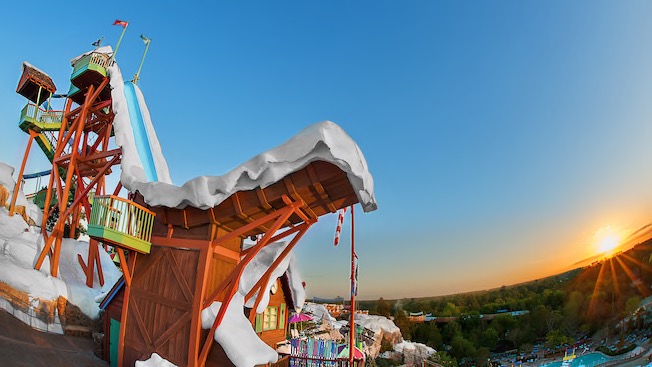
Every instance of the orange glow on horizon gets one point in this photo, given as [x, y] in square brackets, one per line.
[606, 240]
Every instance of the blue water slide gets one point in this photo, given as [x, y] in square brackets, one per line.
[140, 132]
[36, 175]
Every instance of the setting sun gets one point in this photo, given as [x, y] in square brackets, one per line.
[606, 240]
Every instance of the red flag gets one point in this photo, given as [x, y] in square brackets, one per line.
[121, 22]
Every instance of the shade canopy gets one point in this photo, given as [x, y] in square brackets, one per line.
[343, 352]
[299, 317]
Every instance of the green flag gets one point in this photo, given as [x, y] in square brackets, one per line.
[145, 39]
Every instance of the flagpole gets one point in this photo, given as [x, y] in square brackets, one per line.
[137, 76]
[117, 46]
[352, 321]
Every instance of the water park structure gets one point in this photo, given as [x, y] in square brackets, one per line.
[193, 290]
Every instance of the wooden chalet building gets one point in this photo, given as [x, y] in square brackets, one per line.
[271, 326]
[196, 257]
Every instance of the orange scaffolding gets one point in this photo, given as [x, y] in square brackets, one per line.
[81, 160]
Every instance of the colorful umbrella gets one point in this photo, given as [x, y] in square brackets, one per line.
[344, 352]
[299, 317]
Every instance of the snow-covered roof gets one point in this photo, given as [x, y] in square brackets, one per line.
[324, 141]
[40, 75]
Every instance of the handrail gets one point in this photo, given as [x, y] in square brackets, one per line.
[123, 216]
[300, 361]
[31, 110]
[318, 353]
[618, 360]
[93, 58]
[99, 59]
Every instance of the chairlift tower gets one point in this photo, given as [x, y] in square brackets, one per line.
[77, 140]
[81, 158]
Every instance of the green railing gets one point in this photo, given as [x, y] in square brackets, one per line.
[94, 61]
[121, 222]
[41, 118]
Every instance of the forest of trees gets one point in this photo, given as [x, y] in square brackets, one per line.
[562, 309]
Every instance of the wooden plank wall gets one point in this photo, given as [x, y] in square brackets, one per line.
[113, 311]
[221, 266]
[160, 305]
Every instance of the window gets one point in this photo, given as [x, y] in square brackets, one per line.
[270, 318]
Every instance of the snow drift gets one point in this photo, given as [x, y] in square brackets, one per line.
[20, 246]
[236, 334]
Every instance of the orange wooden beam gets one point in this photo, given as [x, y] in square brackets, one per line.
[125, 310]
[248, 227]
[205, 257]
[19, 180]
[218, 241]
[281, 216]
[54, 262]
[265, 278]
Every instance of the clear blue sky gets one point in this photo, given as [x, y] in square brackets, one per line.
[501, 135]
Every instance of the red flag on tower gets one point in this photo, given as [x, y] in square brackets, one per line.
[121, 22]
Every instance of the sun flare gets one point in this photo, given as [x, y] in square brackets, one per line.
[606, 240]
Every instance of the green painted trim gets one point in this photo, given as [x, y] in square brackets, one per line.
[81, 63]
[28, 123]
[119, 238]
[259, 322]
[114, 341]
[84, 65]
[281, 318]
[44, 143]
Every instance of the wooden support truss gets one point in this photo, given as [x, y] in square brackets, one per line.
[81, 163]
[227, 289]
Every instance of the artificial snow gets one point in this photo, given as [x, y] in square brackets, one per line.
[324, 141]
[236, 334]
[414, 349]
[319, 312]
[27, 64]
[155, 361]
[132, 170]
[298, 292]
[19, 250]
[376, 323]
[259, 265]
[20, 246]
[6, 180]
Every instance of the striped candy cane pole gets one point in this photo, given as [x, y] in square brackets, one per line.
[340, 220]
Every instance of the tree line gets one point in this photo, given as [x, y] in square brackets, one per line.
[562, 309]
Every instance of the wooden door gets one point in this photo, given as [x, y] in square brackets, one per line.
[160, 305]
[114, 335]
